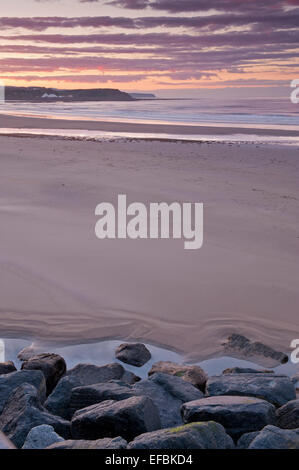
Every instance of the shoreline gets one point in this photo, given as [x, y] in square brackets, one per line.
[26, 122]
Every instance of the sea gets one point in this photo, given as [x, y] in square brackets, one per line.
[263, 113]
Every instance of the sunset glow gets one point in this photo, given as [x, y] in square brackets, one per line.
[149, 44]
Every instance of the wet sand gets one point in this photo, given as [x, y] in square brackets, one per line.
[59, 283]
[9, 121]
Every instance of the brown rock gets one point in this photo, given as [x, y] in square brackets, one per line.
[192, 374]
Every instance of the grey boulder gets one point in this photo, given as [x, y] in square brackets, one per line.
[135, 354]
[52, 366]
[23, 411]
[246, 370]
[241, 347]
[127, 418]
[272, 437]
[276, 389]
[245, 440]
[7, 367]
[106, 443]
[288, 415]
[208, 435]
[89, 374]
[238, 415]
[81, 397]
[168, 393]
[193, 374]
[41, 437]
[58, 401]
[11, 381]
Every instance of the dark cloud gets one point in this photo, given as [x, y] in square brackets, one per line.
[211, 22]
[180, 6]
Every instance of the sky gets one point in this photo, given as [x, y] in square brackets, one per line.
[150, 45]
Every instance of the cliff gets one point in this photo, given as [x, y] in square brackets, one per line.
[41, 94]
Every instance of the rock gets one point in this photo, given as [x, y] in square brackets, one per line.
[241, 347]
[53, 367]
[208, 435]
[135, 354]
[106, 443]
[168, 393]
[89, 374]
[272, 437]
[288, 415]
[295, 379]
[127, 418]
[7, 367]
[276, 389]
[242, 370]
[29, 351]
[81, 397]
[245, 440]
[11, 381]
[58, 403]
[83, 375]
[41, 437]
[238, 415]
[5, 443]
[193, 374]
[23, 411]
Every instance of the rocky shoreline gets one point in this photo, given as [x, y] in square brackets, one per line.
[46, 406]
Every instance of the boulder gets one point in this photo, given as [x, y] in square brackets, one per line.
[5, 443]
[288, 415]
[135, 354]
[272, 437]
[245, 440]
[208, 435]
[9, 382]
[23, 411]
[193, 374]
[81, 397]
[238, 415]
[7, 367]
[295, 378]
[127, 418]
[106, 443]
[52, 366]
[89, 374]
[58, 403]
[41, 437]
[168, 393]
[246, 370]
[241, 347]
[277, 389]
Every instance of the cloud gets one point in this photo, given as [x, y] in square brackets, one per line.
[179, 6]
[236, 36]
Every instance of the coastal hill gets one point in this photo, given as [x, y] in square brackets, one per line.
[41, 94]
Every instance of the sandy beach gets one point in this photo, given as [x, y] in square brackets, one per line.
[59, 283]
